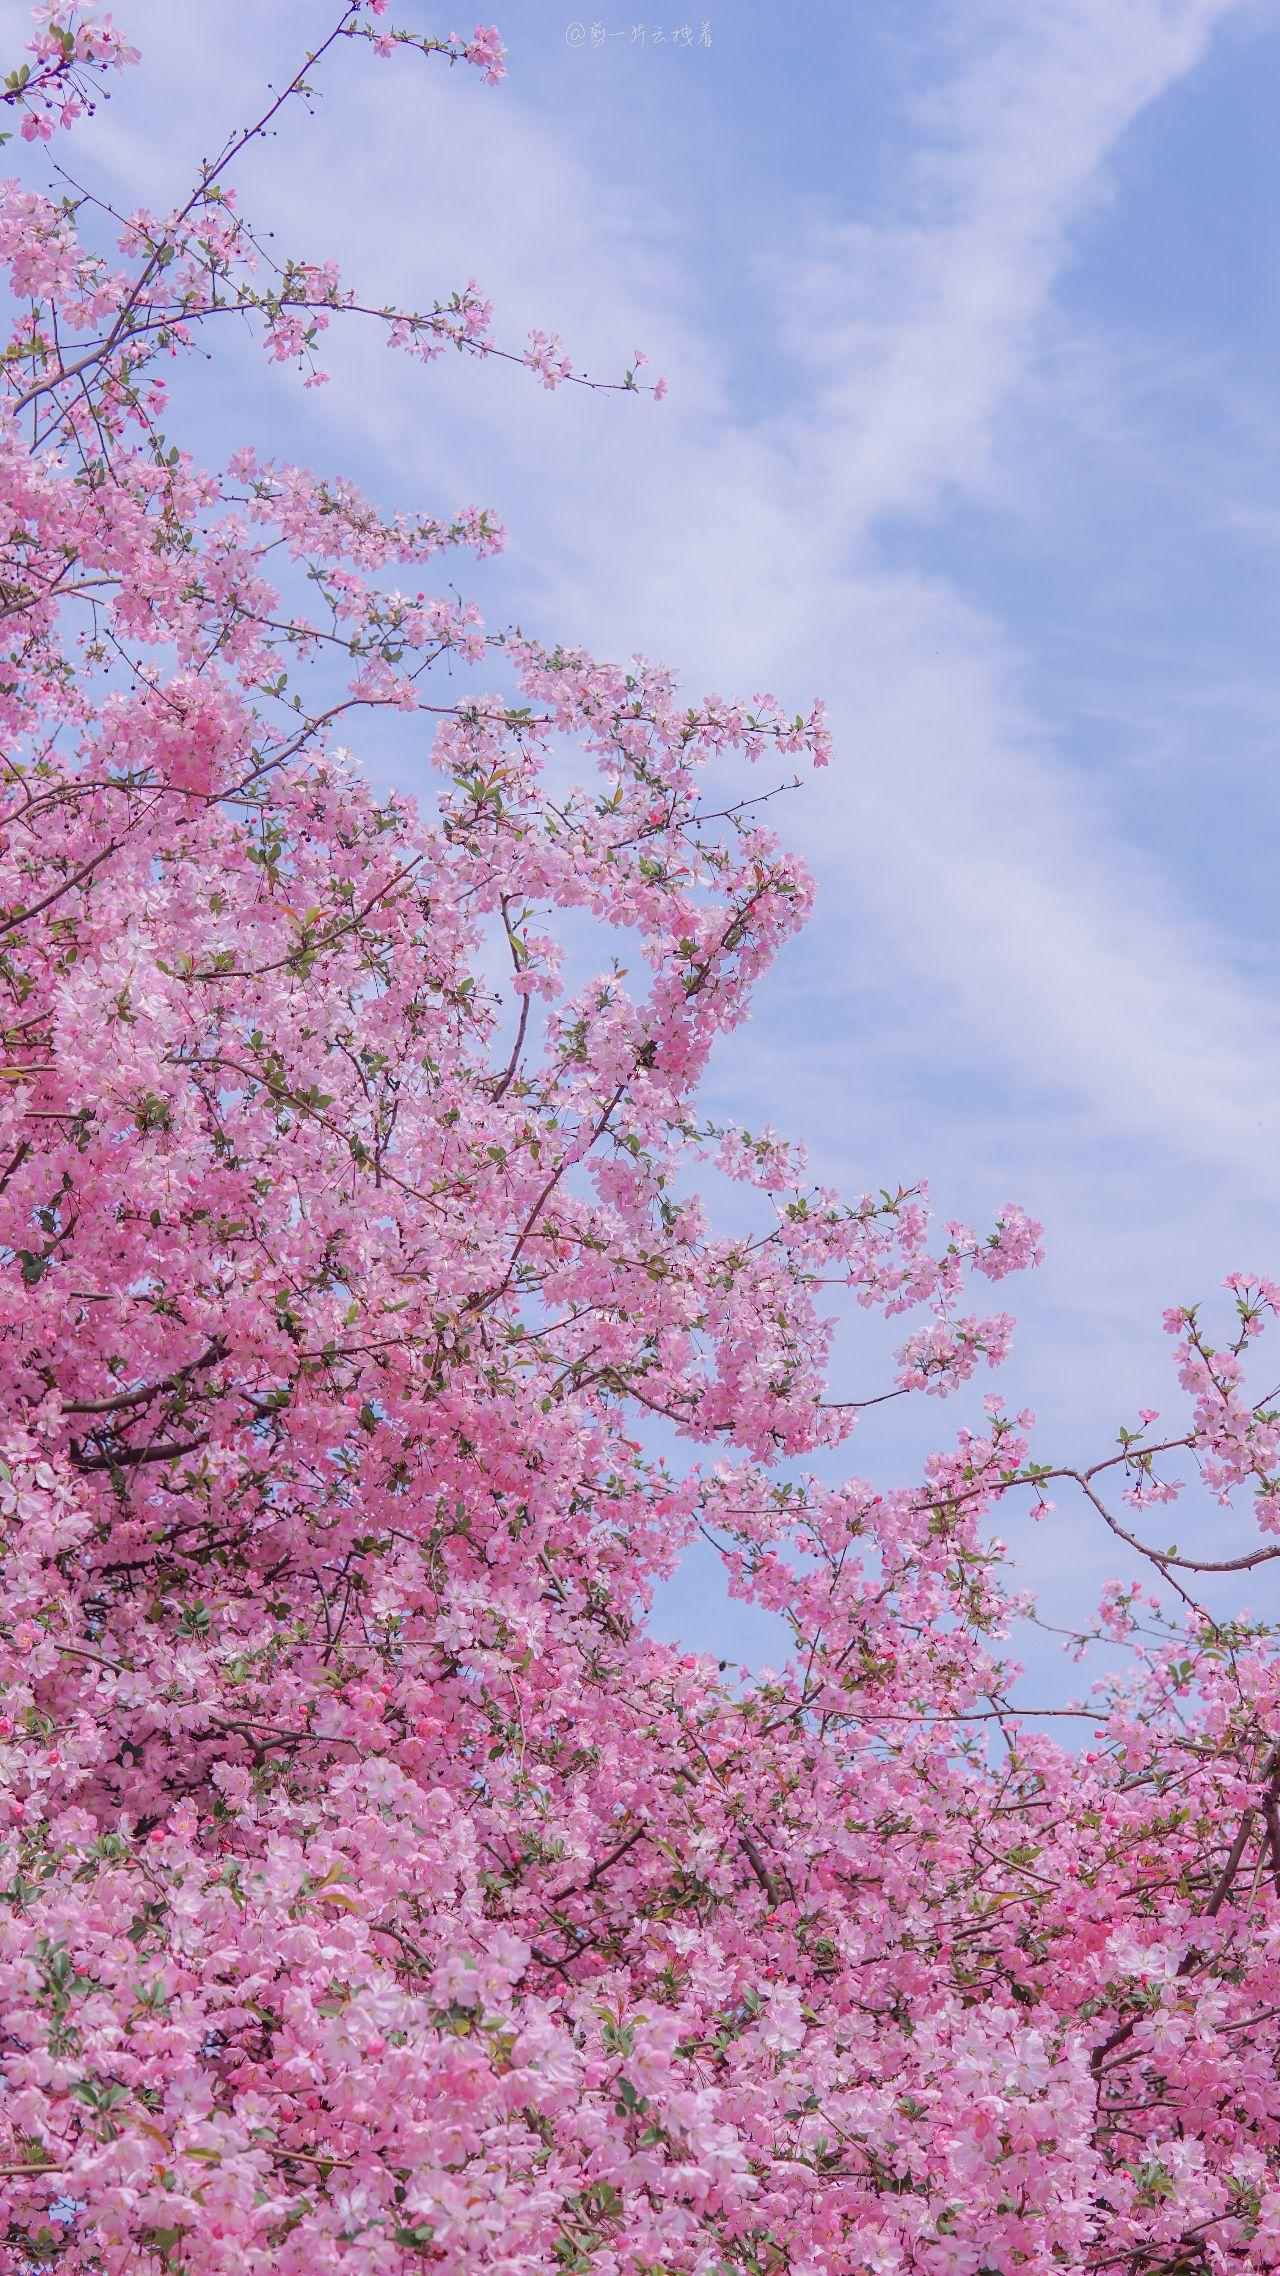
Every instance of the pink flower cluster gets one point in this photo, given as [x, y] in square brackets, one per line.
[486, 51]
[73, 44]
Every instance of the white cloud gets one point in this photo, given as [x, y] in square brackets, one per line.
[751, 552]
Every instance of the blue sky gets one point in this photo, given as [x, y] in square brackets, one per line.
[969, 315]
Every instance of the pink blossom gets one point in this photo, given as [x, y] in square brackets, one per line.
[486, 51]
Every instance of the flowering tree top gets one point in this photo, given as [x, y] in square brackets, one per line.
[378, 1893]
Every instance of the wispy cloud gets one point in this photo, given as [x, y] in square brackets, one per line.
[769, 548]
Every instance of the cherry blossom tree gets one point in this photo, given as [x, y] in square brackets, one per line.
[378, 1892]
